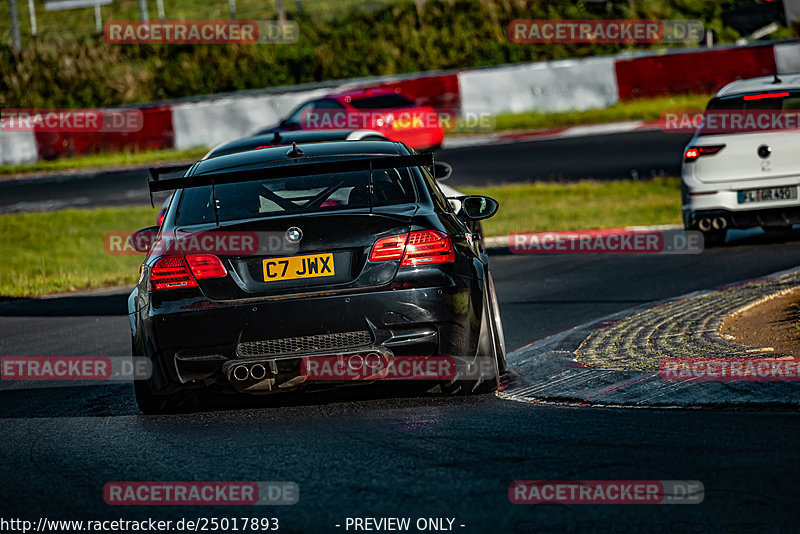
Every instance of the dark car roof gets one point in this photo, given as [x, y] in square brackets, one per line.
[360, 93]
[283, 138]
[276, 156]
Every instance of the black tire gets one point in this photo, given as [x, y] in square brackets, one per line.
[686, 216]
[497, 324]
[151, 404]
[487, 355]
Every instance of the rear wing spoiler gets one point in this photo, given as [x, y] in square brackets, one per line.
[284, 171]
[312, 167]
[157, 172]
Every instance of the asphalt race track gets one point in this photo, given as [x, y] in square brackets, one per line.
[611, 156]
[387, 452]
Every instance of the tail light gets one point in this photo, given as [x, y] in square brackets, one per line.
[206, 266]
[423, 247]
[388, 248]
[179, 272]
[764, 96]
[692, 153]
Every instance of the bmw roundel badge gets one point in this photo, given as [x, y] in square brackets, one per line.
[294, 234]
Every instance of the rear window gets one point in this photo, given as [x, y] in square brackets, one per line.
[769, 100]
[382, 102]
[297, 195]
[755, 112]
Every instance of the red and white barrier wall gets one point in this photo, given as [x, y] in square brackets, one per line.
[571, 84]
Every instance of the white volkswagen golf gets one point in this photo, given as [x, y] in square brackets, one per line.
[742, 167]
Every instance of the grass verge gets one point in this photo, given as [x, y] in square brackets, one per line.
[116, 159]
[581, 205]
[64, 250]
[646, 109]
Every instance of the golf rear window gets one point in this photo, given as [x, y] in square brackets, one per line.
[297, 195]
[751, 112]
[768, 100]
[381, 102]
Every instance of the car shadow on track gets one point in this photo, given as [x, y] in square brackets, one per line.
[756, 236]
[114, 400]
[68, 306]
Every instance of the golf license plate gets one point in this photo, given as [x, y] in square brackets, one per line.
[767, 193]
[294, 267]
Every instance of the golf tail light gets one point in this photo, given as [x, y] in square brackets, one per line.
[692, 153]
[423, 247]
[179, 272]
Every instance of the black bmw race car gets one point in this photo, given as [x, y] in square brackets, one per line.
[359, 257]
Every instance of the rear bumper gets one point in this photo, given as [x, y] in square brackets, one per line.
[775, 217]
[195, 341]
[710, 201]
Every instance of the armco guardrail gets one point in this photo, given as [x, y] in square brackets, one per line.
[570, 84]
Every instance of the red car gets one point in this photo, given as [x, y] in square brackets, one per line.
[392, 114]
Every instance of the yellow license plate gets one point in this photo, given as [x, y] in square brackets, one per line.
[294, 267]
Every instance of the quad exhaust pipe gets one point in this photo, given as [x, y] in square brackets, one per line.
[262, 375]
[372, 360]
[258, 371]
[255, 371]
[241, 373]
[707, 224]
[251, 377]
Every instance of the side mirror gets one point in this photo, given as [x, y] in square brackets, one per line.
[142, 240]
[442, 171]
[478, 207]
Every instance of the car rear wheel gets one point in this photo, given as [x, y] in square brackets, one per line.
[148, 402]
[489, 353]
[497, 323]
